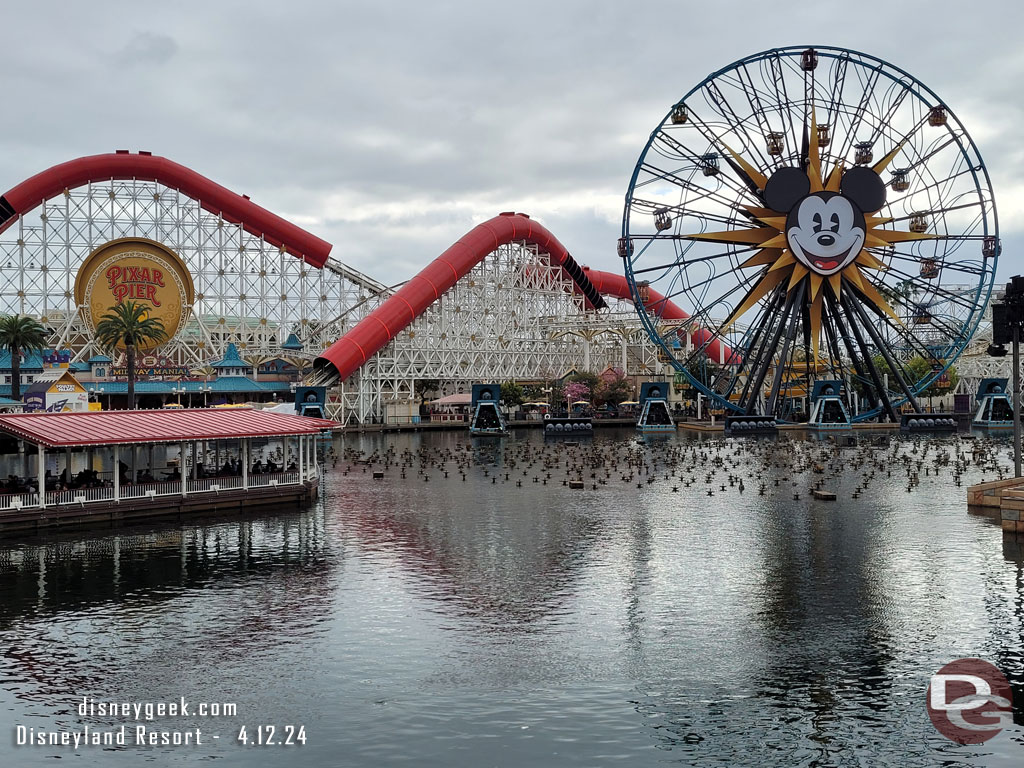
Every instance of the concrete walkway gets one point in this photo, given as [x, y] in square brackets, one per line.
[1002, 499]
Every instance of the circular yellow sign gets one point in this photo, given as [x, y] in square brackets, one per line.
[138, 270]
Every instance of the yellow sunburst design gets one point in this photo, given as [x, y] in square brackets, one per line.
[777, 262]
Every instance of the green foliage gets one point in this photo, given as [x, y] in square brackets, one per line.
[591, 380]
[534, 393]
[703, 370]
[919, 368]
[614, 391]
[129, 324]
[511, 394]
[915, 369]
[557, 394]
[897, 295]
[20, 334]
[426, 387]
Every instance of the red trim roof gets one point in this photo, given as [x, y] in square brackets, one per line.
[218, 200]
[85, 428]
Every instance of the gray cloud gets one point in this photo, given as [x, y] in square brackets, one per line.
[145, 48]
[391, 129]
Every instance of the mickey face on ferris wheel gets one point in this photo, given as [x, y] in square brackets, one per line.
[825, 230]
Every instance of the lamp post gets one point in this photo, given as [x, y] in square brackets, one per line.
[1016, 399]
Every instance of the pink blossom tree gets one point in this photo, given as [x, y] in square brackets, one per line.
[576, 390]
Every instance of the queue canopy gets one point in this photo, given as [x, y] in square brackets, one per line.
[80, 429]
[462, 398]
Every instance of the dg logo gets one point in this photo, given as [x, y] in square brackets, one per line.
[969, 701]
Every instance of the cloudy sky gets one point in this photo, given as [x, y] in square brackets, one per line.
[392, 128]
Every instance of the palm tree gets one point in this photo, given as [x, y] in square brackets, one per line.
[128, 324]
[19, 334]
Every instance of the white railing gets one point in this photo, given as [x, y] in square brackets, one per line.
[149, 490]
[130, 491]
[9, 501]
[80, 495]
[206, 484]
[273, 478]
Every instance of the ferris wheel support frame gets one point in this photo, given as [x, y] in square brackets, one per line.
[767, 332]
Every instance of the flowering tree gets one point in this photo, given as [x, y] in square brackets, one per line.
[576, 390]
[614, 390]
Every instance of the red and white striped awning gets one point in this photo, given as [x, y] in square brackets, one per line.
[85, 428]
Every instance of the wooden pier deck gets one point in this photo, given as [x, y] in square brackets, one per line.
[117, 468]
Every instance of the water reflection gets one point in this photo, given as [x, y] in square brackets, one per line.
[74, 608]
[1010, 634]
[460, 621]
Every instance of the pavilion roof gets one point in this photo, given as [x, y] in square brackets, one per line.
[85, 428]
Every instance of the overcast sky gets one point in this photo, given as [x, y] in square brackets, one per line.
[391, 129]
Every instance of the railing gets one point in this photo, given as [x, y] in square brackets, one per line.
[207, 484]
[273, 478]
[143, 490]
[416, 419]
[9, 501]
[214, 484]
[461, 417]
[82, 496]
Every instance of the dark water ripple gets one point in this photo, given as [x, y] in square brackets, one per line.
[481, 623]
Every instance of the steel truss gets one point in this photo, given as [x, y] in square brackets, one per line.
[247, 291]
[513, 317]
[975, 363]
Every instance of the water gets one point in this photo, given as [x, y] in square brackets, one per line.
[479, 623]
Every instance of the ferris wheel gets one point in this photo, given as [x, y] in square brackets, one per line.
[809, 208]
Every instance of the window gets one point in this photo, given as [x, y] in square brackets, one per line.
[101, 372]
[29, 379]
[7, 379]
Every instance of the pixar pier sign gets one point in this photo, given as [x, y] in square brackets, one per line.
[138, 270]
[135, 283]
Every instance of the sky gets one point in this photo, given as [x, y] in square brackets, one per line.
[390, 129]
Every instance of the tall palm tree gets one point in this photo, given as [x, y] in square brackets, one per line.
[128, 324]
[19, 334]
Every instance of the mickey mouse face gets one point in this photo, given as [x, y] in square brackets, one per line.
[825, 230]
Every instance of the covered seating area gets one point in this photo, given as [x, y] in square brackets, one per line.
[51, 462]
[451, 408]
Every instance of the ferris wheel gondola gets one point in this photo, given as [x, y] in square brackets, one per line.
[808, 206]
